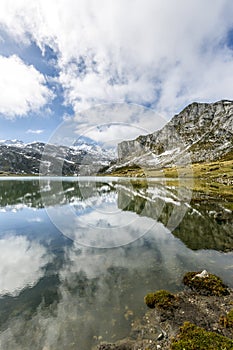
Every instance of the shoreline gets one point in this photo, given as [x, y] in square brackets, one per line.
[186, 314]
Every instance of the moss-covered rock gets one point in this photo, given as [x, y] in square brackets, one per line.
[208, 284]
[192, 337]
[162, 299]
[227, 321]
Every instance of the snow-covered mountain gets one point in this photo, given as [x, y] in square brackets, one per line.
[84, 158]
[84, 143]
[15, 143]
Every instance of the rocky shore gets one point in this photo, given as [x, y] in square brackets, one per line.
[199, 317]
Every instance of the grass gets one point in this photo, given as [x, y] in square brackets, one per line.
[128, 171]
[210, 171]
[212, 178]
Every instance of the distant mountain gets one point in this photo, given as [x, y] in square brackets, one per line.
[89, 145]
[80, 159]
[202, 130]
[16, 143]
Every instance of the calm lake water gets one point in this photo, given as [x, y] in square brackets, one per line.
[77, 256]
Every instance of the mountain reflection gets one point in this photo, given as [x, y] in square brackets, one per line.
[195, 223]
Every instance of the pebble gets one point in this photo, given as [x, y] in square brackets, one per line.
[160, 336]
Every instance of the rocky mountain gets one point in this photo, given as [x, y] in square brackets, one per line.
[201, 132]
[33, 158]
[87, 144]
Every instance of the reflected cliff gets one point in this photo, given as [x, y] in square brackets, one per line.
[202, 223]
[207, 223]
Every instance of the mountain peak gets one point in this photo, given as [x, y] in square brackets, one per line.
[16, 143]
[204, 130]
[84, 140]
[84, 143]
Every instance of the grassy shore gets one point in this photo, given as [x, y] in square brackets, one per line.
[213, 178]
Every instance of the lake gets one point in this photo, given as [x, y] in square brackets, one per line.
[78, 255]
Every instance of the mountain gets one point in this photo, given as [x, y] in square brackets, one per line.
[16, 143]
[202, 131]
[89, 145]
[38, 157]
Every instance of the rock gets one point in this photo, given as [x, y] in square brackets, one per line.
[205, 283]
[204, 130]
[122, 345]
[162, 299]
[212, 316]
[162, 335]
[192, 337]
[203, 274]
[221, 217]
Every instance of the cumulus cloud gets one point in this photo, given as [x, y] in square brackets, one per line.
[32, 131]
[149, 52]
[23, 88]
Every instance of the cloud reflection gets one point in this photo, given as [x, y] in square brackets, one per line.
[21, 264]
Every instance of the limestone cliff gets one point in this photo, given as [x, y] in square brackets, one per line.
[202, 130]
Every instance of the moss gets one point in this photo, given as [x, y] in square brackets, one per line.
[209, 285]
[227, 321]
[192, 337]
[162, 299]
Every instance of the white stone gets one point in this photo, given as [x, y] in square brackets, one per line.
[203, 274]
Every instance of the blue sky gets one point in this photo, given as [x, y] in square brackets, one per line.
[60, 58]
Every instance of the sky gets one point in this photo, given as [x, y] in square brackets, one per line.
[103, 63]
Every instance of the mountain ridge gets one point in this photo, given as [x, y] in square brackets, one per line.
[37, 158]
[203, 131]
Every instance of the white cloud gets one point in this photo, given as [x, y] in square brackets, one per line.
[22, 88]
[108, 124]
[38, 131]
[158, 52]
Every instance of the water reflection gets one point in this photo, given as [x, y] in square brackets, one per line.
[21, 264]
[61, 295]
[107, 213]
